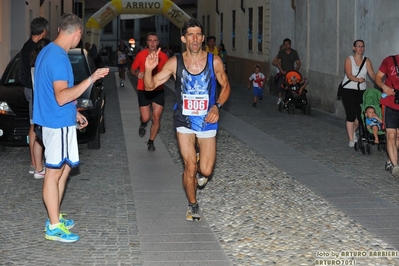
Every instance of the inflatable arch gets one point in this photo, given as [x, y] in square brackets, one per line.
[117, 7]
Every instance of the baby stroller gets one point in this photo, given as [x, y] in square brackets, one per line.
[371, 98]
[293, 83]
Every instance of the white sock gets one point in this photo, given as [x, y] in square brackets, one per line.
[53, 226]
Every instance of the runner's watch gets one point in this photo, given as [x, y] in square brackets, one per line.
[219, 106]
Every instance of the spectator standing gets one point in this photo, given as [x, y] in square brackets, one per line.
[210, 47]
[387, 79]
[38, 27]
[55, 110]
[38, 141]
[287, 60]
[148, 100]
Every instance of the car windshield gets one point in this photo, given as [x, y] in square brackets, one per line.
[79, 66]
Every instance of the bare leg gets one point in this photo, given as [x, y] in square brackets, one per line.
[156, 120]
[32, 139]
[38, 156]
[351, 128]
[145, 113]
[375, 132]
[187, 149]
[207, 147]
[53, 189]
[392, 147]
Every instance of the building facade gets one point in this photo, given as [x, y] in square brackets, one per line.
[15, 23]
[322, 32]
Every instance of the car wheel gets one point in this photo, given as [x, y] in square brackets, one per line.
[95, 143]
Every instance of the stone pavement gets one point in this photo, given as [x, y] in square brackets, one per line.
[286, 191]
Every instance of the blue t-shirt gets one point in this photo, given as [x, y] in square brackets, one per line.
[372, 121]
[52, 64]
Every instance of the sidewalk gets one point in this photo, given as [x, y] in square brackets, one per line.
[166, 238]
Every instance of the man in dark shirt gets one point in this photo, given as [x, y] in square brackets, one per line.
[288, 60]
[38, 27]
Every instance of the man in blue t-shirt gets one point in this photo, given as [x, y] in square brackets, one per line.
[55, 110]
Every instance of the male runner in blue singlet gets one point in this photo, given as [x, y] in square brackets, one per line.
[197, 107]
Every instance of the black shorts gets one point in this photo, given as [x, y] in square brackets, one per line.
[391, 118]
[148, 97]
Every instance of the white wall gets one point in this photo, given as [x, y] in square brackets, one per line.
[16, 16]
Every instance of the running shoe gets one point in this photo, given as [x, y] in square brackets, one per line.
[395, 171]
[254, 105]
[69, 223]
[351, 144]
[150, 145]
[193, 213]
[201, 181]
[39, 175]
[388, 166]
[142, 129]
[122, 83]
[32, 170]
[60, 233]
[279, 101]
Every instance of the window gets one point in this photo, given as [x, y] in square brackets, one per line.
[221, 27]
[250, 28]
[78, 10]
[233, 30]
[260, 29]
[108, 28]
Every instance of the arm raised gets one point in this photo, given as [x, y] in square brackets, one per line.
[169, 69]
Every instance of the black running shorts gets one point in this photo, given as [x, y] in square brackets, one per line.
[148, 97]
[391, 118]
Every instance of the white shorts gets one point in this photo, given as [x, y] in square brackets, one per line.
[61, 147]
[198, 134]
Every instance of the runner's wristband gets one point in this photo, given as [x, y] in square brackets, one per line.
[218, 105]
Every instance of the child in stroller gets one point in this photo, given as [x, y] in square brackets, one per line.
[373, 122]
[369, 134]
[295, 93]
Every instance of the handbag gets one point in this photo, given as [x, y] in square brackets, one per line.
[341, 86]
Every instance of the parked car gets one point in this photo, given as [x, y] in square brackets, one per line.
[14, 108]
